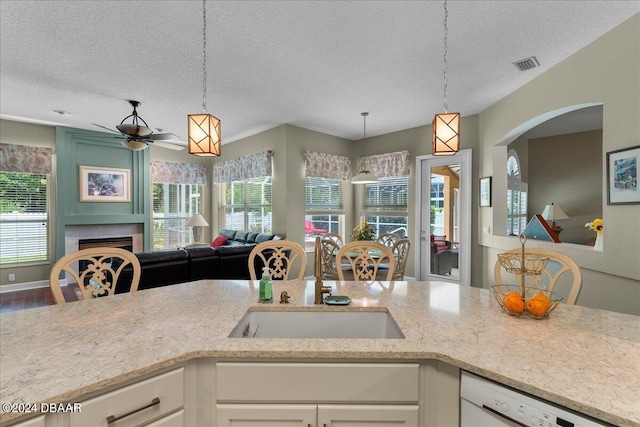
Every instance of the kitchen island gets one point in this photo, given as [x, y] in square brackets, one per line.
[585, 359]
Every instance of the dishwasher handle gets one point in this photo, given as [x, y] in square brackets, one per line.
[500, 414]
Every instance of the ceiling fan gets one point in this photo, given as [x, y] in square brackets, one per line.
[138, 137]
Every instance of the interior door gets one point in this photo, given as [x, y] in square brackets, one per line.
[444, 218]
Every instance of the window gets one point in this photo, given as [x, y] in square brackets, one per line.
[173, 205]
[324, 208]
[24, 220]
[516, 196]
[385, 205]
[246, 205]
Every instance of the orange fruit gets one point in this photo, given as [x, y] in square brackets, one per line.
[513, 302]
[514, 293]
[538, 305]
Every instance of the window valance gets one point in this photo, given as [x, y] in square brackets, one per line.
[385, 165]
[178, 173]
[246, 167]
[324, 165]
[25, 159]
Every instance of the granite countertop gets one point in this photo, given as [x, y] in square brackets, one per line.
[585, 359]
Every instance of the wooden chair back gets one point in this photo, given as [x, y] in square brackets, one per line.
[280, 256]
[101, 269]
[335, 237]
[328, 251]
[558, 265]
[362, 257]
[401, 253]
[388, 239]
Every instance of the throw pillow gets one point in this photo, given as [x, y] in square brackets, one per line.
[219, 241]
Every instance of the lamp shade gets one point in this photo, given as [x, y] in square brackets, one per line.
[204, 134]
[445, 134]
[364, 177]
[553, 212]
[197, 220]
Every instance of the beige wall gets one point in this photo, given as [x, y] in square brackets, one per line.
[606, 71]
[40, 136]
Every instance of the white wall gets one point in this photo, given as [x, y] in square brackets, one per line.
[605, 71]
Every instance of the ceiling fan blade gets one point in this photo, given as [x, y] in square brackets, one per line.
[170, 145]
[104, 127]
[165, 136]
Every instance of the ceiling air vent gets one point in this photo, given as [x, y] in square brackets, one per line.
[527, 64]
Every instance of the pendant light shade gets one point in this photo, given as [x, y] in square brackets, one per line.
[205, 136]
[364, 176]
[445, 127]
[446, 134]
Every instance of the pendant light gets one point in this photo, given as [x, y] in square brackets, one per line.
[364, 176]
[445, 126]
[204, 129]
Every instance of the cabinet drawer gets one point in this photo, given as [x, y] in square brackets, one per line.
[168, 388]
[174, 420]
[317, 382]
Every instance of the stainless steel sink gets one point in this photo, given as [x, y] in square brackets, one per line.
[317, 324]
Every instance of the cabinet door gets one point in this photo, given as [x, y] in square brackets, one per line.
[250, 415]
[367, 415]
[34, 422]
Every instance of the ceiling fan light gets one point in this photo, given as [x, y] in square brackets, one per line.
[134, 130]
[134, 145]
[204, 134]
[445, 134]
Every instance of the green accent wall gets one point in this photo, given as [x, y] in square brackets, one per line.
[77, 147]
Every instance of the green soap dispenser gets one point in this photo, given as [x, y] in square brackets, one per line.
[266, 286]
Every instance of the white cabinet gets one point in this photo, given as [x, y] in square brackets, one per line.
[265, 415]
[34, 422]
[283, 415]
[367, 415]
[341, 394]
[159, 399]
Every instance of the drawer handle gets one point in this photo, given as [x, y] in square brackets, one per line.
[113, 418]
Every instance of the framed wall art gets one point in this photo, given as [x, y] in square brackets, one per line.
[485, 192]
[622, 176]
[104, 184]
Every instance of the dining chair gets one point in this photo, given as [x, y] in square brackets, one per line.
[401, 253]
[328, 250]
[280, 256]
[337, 238]
[95, 271]
[364, 259]
[388, 239]
[552, 277]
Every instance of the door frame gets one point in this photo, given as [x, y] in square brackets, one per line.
[423, 272]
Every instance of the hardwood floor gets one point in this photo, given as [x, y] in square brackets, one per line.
[31, 298]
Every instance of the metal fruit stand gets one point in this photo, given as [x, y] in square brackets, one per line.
[523, 264]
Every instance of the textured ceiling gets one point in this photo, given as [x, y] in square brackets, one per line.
[313, 64]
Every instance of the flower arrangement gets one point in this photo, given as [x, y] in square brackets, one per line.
[596, 225]
[363, 231]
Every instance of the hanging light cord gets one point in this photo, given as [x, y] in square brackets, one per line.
[364, 118]
[446, 48]
[204, 56]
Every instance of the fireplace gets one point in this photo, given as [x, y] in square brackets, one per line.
[107, 242]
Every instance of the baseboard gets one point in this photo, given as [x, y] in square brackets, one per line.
[14, 287]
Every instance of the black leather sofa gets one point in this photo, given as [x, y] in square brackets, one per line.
[168, 267]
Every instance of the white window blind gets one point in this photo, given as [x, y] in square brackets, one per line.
[385, 205]
[24, 220]
[323, 195]
[173, 205]
[246, 205]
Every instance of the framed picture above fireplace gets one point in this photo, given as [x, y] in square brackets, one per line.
[104, 184]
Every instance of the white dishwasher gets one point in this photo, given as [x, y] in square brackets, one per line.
[484, 403]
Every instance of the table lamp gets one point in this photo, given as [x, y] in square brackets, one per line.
[552, 213]
[197, 222]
